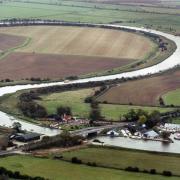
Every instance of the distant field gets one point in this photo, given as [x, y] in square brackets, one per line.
[124, 158]
[83, 41]
[172, 97]
[142, 92]
[97, 12]
[57, 169]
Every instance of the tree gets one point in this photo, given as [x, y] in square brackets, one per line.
[64, 110]
[142, 119]
[161, 101]
[17, 126]
[95, 113]
[165, 134]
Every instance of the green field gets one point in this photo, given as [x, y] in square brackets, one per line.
[95, 13]
[123, 158]
[75, 100]
[172, 97]
[56, 170]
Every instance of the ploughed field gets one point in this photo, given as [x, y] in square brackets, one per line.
[142, 92]
[10, 41]
[59, 51]
[54, 66]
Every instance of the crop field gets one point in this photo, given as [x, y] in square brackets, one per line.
[83, 41]
[69, 51]
[10, 41]
[57, 169]
[54, 66]
[119, 158]
[142, 92]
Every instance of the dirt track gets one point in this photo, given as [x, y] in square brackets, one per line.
[142, 92]
[27, 65]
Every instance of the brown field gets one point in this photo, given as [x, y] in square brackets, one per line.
[10, 41]
[26, 65]
[142, 92]
[83, 41]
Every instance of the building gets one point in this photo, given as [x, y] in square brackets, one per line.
[27, 137]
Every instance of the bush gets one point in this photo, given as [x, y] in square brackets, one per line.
[153, 171]
[167, 173]
[75, 160]
[132, 169]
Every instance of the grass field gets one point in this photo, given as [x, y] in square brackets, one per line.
[142, 92]
[95, 12]
[56, 169]
[172, 97]
[124, 158]
[75, 99]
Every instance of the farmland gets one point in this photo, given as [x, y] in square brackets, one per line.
[172, 97]
[10, 41]
[97, 12]
[75, 100]
[142, 92]
[74, 51]
[55, 169]
[123, 158]
[54, 66]
[83, 41]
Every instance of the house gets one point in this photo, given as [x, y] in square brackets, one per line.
[151, 134]
[27, 137]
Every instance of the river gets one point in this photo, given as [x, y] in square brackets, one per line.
[147, 145]
[170, 62]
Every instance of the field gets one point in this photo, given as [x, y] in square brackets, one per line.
[83, 41]
[71, 51]
[124, 158]
[10, 41]
[172, 97]
[142, 92]
[75, 100]
[54, 66]
[56, 169]
[98, 12]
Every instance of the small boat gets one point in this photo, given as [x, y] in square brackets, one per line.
[177, 136]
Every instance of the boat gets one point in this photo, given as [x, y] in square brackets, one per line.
[177, 136]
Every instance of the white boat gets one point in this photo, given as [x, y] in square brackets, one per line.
[177, 136]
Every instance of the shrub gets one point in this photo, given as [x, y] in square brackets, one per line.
[75, 160]
[167, 173]
[153, 171]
